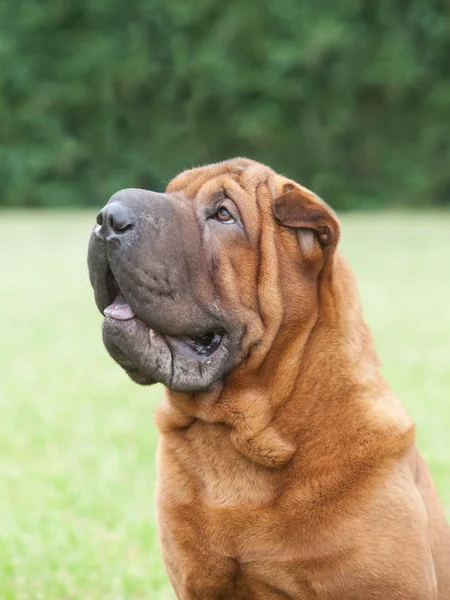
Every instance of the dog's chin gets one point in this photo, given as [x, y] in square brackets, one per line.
[190, 363]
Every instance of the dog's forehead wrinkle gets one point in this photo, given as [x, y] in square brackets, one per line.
[210, 191]
[238, 168]
[255, 176]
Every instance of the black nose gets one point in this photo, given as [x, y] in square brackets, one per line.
[114, 219]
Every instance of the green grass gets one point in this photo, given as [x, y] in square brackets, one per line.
[77, 443]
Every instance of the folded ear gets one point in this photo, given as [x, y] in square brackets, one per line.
[300, 208]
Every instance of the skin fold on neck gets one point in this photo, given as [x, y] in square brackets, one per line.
[277, 408]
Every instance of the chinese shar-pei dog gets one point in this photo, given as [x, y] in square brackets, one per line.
[287, 467]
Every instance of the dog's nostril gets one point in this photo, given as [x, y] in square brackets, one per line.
[119, 218]
[120, 227]
[115, 218]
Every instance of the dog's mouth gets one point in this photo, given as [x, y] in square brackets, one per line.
[199, 346]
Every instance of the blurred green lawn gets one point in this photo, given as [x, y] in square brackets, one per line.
[77, 443]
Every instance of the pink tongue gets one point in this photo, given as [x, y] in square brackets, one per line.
[119, 309]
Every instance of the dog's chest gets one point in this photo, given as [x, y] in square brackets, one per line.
[225, 476]
[229, 508]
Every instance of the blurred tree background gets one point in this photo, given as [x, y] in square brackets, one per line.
[352, 98]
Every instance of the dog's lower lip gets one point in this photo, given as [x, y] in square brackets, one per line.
[202, 344]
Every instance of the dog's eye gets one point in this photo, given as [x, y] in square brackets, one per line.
[224, 216]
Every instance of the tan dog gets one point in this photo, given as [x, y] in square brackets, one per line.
[287, 467]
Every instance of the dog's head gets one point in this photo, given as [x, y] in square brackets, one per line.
[194, 281]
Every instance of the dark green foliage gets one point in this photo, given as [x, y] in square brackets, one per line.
[352, 98]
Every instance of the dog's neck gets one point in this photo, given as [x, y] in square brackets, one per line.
[297, 390]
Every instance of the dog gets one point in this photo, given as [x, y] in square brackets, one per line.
[287, 468]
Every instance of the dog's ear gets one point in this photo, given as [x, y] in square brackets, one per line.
[301, 209]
